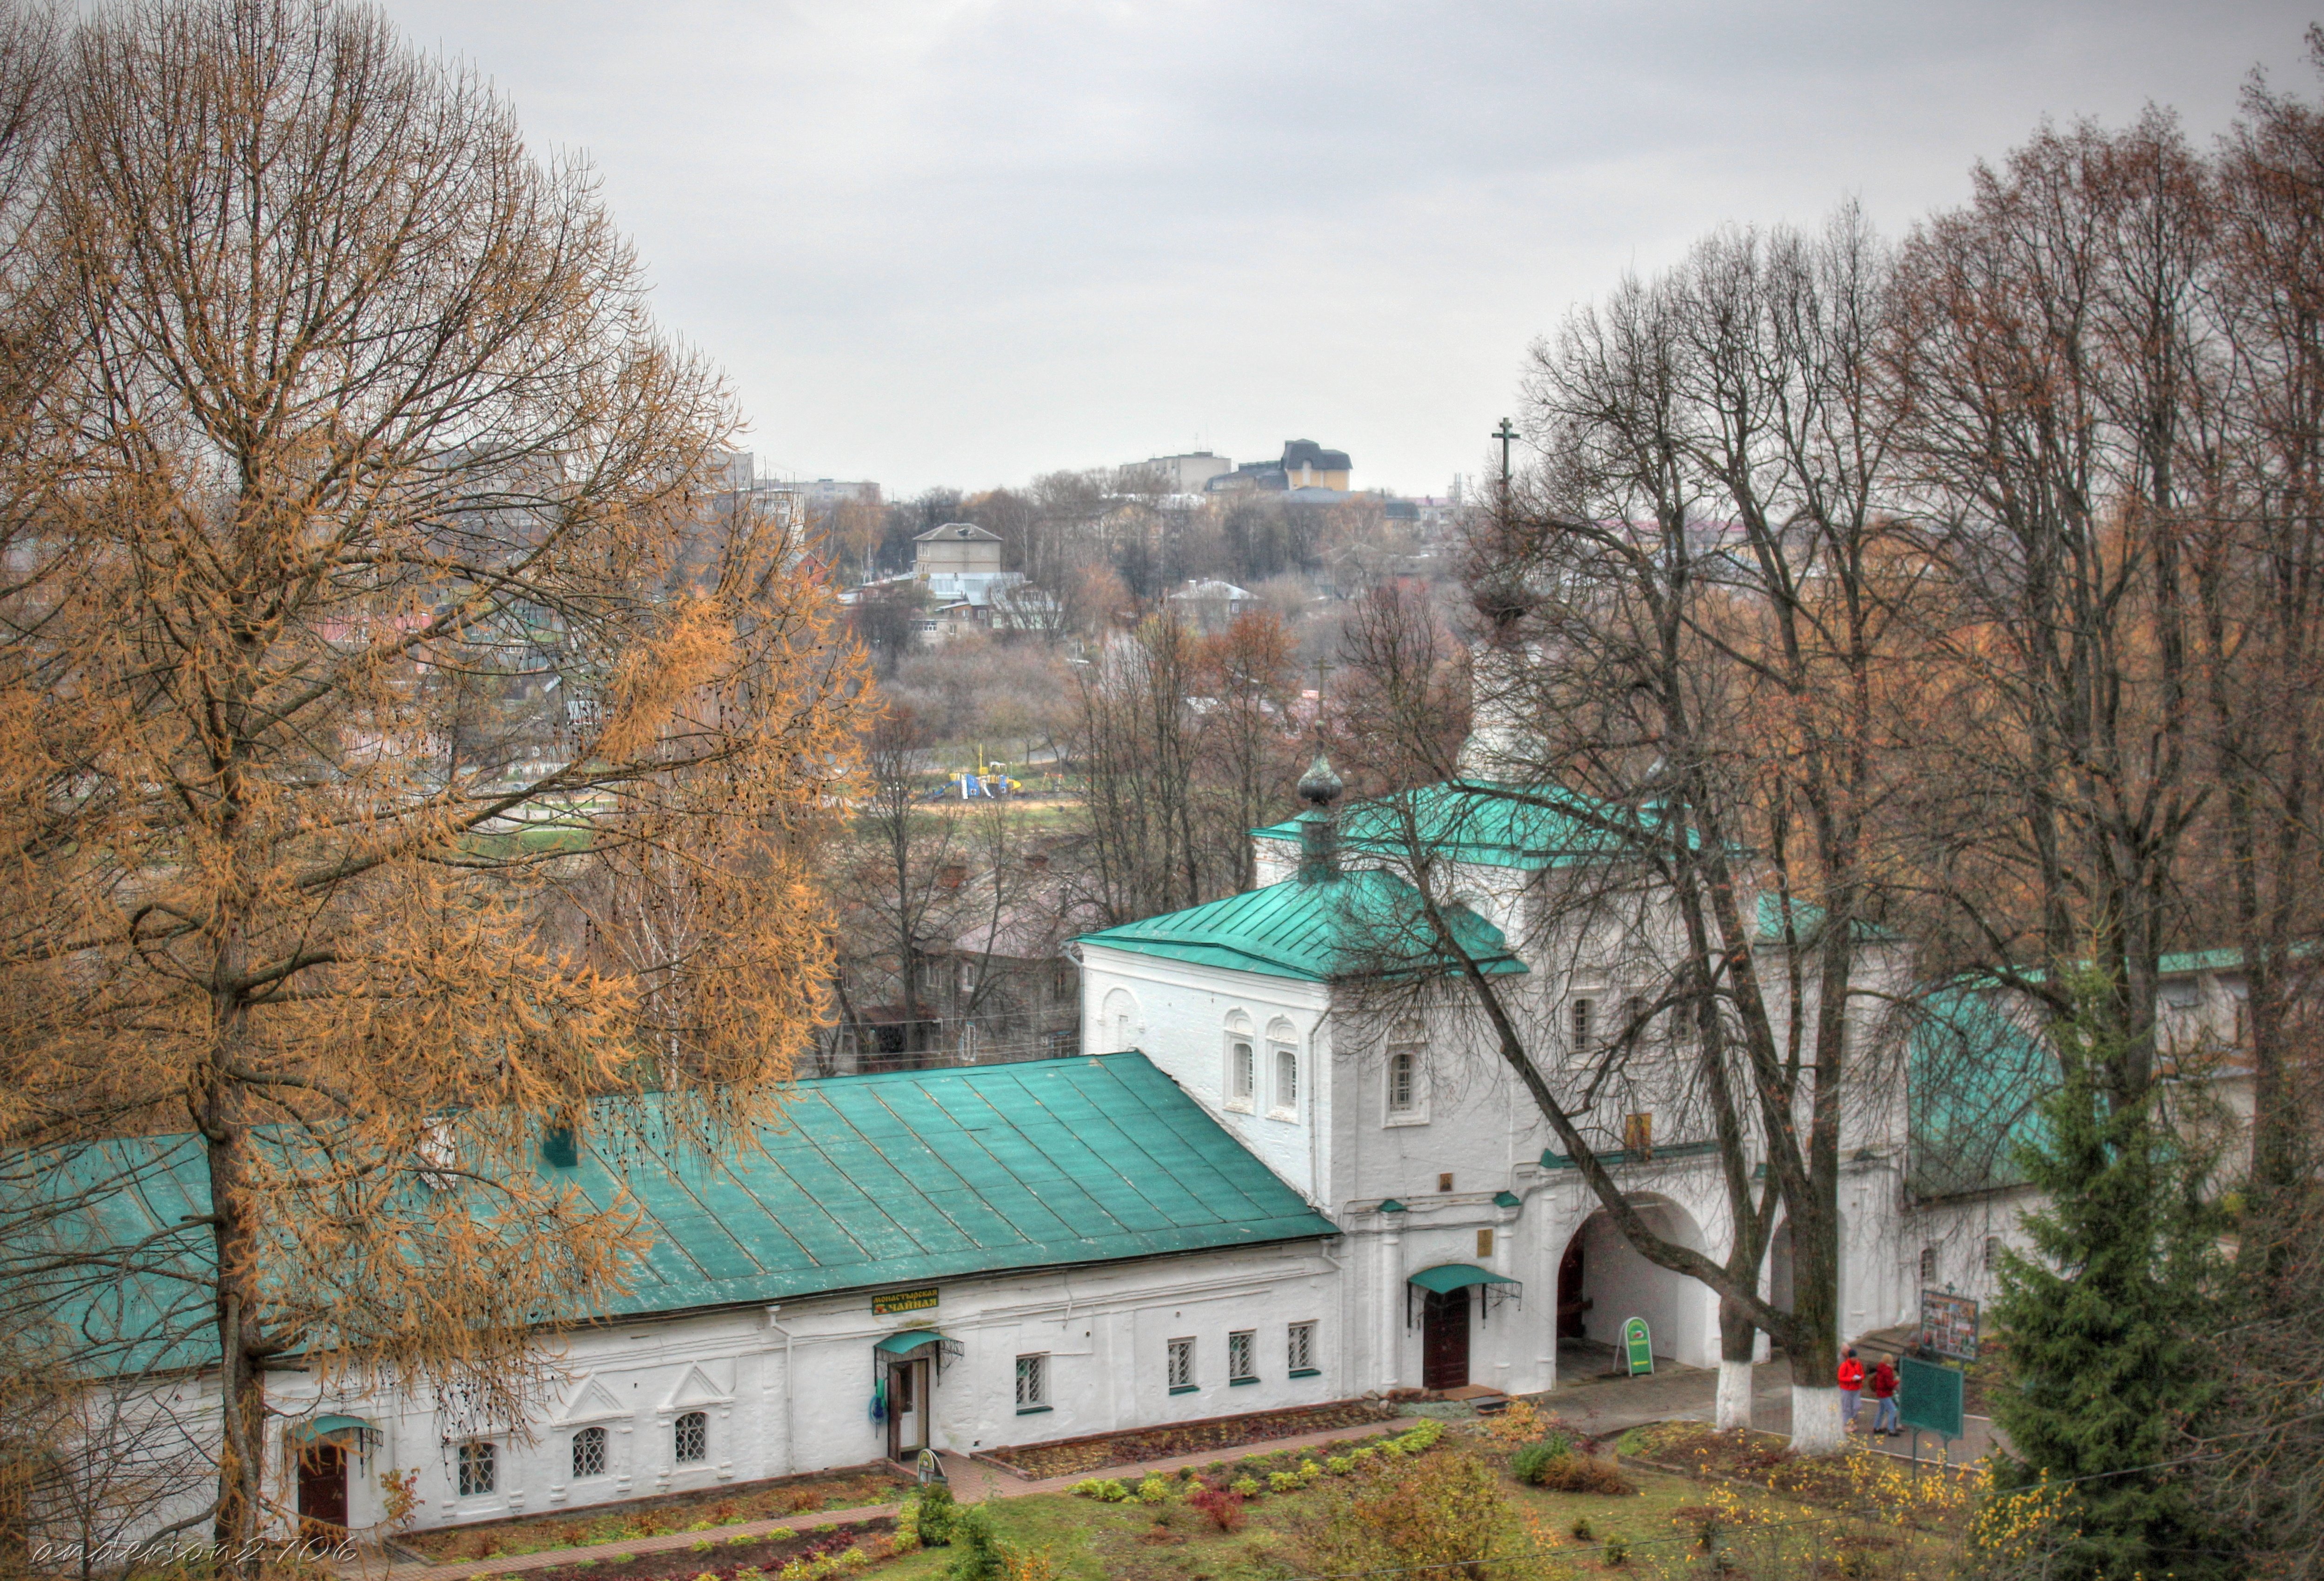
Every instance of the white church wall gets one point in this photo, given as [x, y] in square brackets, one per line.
[1179, 1016]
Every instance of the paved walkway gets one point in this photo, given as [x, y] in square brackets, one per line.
[1673, 1393]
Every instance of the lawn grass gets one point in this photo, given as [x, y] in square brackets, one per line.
[1092, 1541]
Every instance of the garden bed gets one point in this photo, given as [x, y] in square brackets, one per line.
[846, 1488]
[1766, 1462]
[763, 1556]
[1073, 1456]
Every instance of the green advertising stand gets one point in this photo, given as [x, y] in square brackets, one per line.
[1928, 1400]
[1637, 1346]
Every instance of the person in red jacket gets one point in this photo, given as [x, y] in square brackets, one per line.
[1884, 1394]
[1851, 1385]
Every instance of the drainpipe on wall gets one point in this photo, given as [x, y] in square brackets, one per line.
[791, 1395]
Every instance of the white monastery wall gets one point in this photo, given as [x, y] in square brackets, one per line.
[787, 1389]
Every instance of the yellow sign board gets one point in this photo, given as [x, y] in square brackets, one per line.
[918, 1300]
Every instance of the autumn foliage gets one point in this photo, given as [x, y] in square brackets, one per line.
[402, 755]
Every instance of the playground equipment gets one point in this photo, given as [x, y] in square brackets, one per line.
[989, 781]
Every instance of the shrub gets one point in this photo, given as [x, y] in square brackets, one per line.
[1247, 1486]
[932, 1515]
[1223, 1505]
[1617, 1550]
[1578, 1473]
[703, 1544]
[1105, 1490]
[1529, 1464]
[1439, 1515]
[1154, 1490]
[1582, 1530]
[977, 1554]
[1340, 1465]
[1308, 1471]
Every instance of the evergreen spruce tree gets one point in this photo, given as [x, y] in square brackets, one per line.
[2105, 1325]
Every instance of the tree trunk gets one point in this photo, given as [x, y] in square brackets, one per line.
[1738, 1337]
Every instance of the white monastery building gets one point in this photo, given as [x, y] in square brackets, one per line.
[1257, 1189]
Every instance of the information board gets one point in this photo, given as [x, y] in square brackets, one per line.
[894, 1301]
[1929, 1397]
[1638, 1345]
[1949, 1324]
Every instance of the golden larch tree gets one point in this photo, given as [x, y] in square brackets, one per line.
[403, 755]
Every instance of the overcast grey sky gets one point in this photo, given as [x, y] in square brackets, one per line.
[965, 241]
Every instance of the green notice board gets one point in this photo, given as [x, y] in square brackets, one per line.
[1929, 1397]
[1638, 1345]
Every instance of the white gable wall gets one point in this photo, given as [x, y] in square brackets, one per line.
[1178, 1014]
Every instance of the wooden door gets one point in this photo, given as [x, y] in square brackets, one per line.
[1571, 1323]
[907, 1411]
[1444, 1340]
[323, 1490]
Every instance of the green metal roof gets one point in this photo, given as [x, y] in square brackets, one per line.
[1479, 821]
[1363, 921]
[1457, 1276]
[1976, 1077]
[866, 1182]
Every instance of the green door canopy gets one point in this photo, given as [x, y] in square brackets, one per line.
[1447, 1276]
[1459, 1276]
[912, 1342]
[334, 1430]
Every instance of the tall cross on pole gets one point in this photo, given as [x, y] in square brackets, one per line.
[1504, 433]
[1323, 668]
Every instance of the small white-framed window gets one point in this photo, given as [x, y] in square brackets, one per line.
[1181, 1373]
[1634, 1018]
[476, 1467]
[1299, 1349]
[1284, 1059]
[691, 1438]
[1928, 1265]
[1242, 1356]
[1032, 1383]
[589, 1453]
[1580, 1015]
[1992, 1253]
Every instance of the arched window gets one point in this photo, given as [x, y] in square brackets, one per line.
[1241, 1084]
[1117, 1020]
[691, 1438]
[1282, 1059]
[589, 1452]
[1403, 1082]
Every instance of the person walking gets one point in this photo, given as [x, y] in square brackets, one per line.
[1852, 1389]
[1884, 1396]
